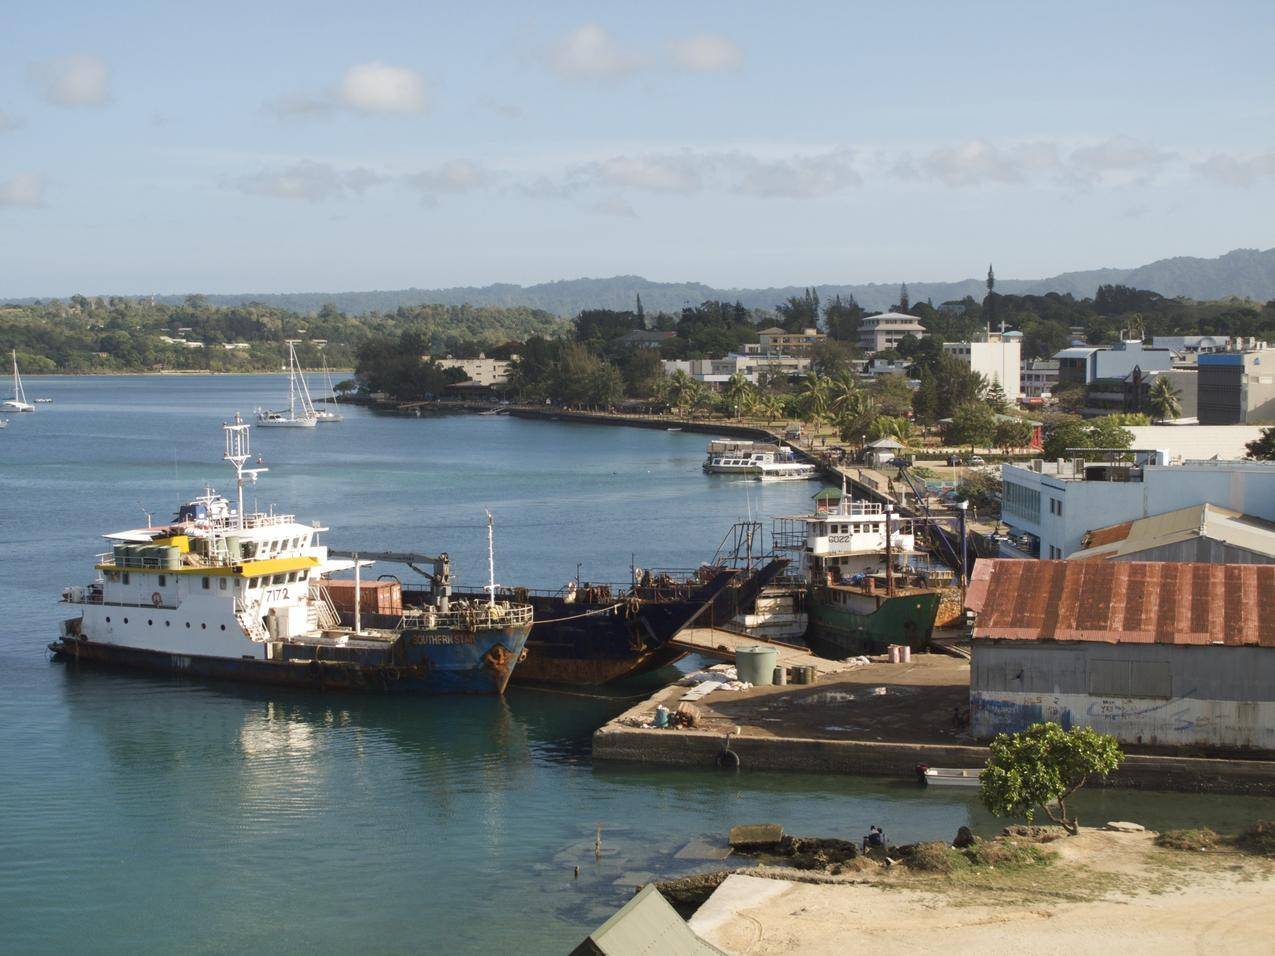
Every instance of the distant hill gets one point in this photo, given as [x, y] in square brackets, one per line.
[1249, 273]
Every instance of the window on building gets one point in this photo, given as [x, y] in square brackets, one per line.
[207, 582]
[163, 579]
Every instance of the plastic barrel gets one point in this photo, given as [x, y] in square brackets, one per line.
[172, 558]
[780, 677]
[756, 665]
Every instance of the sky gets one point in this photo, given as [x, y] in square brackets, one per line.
[313, 146]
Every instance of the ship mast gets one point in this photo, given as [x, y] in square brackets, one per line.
[889, 563]
[491, 564]
[237, 453]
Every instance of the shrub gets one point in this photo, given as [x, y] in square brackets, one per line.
[1259, 839]
[1006, 853]
[933, 858]
[1201, 838]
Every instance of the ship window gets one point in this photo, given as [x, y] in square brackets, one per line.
[203, 627]
[168, 623]
[221, 583]
[149, 622]
[188, 625]
[126, 577]
[207, 582]
[108, 619]
[223, 627]
[125, 620]
[163, 579]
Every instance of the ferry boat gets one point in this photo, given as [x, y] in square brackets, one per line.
[224, 593]
[786, 471]
[727, 457]
[866, 583]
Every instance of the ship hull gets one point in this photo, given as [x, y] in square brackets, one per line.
[468, 664]
[837, 632]
[595, 642]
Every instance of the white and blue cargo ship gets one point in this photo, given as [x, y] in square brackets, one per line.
[223, 593]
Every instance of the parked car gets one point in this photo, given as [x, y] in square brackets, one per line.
[975, 461]
[955, 460]
[900, 462]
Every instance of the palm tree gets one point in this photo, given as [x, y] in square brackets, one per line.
[739, 393]
[681, 389]
[772, 406]
[842, 390]
[1163, 399]
[814, 397]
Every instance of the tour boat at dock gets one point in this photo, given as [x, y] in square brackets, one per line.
[866, 583]
[786, 471]
[224, 593]
[730, 457]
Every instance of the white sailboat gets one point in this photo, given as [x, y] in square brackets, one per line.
[300, 413]
[19, 401]
[329, 414]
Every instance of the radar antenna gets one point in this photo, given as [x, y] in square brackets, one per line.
[237, 453]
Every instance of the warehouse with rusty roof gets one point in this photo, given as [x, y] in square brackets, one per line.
[1156, 653]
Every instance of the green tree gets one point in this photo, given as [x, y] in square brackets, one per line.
[1105, 432]
[1163, 399]
[891, 426]
[1042, 767]
[1012, 433]
[771, 407]
[996, 396]
[739, 395]
[1262, 448]
[857, 416]
[893, 395]
[972, 424]
[814, 397]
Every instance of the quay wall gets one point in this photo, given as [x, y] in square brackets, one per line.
[619, 743]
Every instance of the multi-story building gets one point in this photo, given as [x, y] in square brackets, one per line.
[880, 332]
[997, 356]
[1057, 502]
[1237, 388]
[1037, 378]
[1105, 396]
[777, 341]
[752, 366]
[481, 370]
[1081, 364]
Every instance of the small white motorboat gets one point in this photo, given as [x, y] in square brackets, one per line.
[950, 777]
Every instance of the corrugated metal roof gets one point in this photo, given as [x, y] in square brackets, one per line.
[1124, 602]
[1173, 527]
[645, 924]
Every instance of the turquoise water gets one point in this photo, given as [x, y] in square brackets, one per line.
[151, 815]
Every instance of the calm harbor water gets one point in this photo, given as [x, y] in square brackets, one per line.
[146, 814]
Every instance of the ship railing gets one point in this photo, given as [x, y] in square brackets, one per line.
[249, 618]
[89, 595]
[255, 520]
[326, 614]
[471, 617]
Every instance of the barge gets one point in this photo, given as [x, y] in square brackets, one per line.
[226, 594]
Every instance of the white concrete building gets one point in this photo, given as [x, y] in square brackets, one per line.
[1080, 365]
[880, 332]
[751, 365]
[1058, 502]
[1037, 378]
[481, 370]
[997, 356]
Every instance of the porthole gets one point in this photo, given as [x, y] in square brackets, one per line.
[203, 627]
[108, 619]
[149, 622]
[125, 620]
[168, 623]
[223, 627]
[188, 625]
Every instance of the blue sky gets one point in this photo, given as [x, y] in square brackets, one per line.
[289, 146]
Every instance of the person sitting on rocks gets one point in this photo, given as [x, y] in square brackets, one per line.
[875, 839]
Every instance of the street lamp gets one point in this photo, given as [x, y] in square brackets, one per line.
[962, 507]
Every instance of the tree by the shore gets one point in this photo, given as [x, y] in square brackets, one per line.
[1043, 767]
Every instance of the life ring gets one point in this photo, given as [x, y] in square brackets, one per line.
[157, 599]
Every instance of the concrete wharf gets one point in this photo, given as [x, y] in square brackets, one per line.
[720, 644]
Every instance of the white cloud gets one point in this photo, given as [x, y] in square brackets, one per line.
[669, 173]
[613, 206]
[799, 176]
[73, 81]
[590, 52]
[24, 189]
[380, 88]
[9, 122]
[977, 162]
[1240, 172]
[454, 176]
[706, 53]
[309, 182]
[1117, 160]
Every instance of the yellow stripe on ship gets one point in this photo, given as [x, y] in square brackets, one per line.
[248, 569]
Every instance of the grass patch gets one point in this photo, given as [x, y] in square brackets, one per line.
[934, 858]
[1259, 839]
[1195, 838]
[1003, 853]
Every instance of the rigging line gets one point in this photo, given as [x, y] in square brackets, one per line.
[600, 610]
